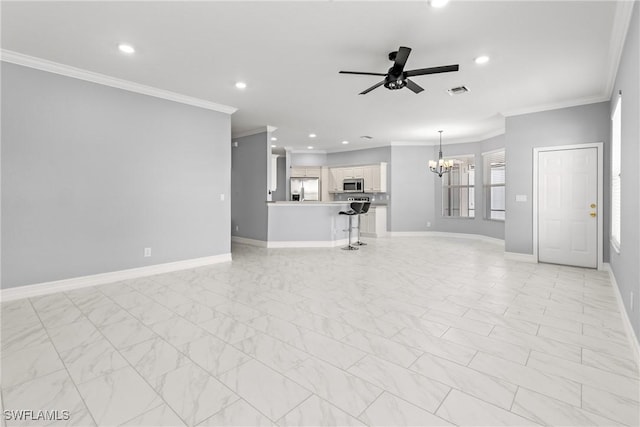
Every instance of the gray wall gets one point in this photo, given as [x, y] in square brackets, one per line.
[625, 265]
[359, 157]
[478, 224]
[250, 162]
[91, 175]
[566, 126]
[308, 159]
[417, 192]
[281, 188]
[412, 188]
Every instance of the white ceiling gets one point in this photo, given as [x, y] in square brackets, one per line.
[544, 54]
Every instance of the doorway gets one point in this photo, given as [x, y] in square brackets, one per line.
[567, 213]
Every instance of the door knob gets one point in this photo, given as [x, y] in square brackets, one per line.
[593, 214]
[593, 205]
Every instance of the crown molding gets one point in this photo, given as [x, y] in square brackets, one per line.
[462, 140]
[368, 146]
[102, 79]
[307, 151]
[261, 129]
[621, 23]
[556, 106]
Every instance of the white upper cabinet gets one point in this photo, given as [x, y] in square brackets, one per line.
[306, 171]
[378, 178]
[368, 175]
[336, 176]
[374, 176]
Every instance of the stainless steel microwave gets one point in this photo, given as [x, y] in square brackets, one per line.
[354, 185]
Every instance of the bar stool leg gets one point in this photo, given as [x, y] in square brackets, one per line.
[359, 242]
[350, 247]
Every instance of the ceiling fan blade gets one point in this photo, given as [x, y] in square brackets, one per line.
[362, 73]
[366, 91]
[432, 70]
[414, 87]
[401, 58]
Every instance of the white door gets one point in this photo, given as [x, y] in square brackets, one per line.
[567, 207]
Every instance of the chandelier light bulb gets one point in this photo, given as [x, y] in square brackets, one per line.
[441, 166]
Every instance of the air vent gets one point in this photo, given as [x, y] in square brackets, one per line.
[458, 90]
[366, 137]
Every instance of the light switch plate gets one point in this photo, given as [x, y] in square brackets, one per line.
[521, 197]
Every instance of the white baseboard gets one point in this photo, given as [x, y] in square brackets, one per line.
[631, 335]
[445, 234]
[308, 244]
[515, 256]
[246, 241]
[45, 288]
[289, 243]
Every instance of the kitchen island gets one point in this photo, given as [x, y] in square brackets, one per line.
[307, 224]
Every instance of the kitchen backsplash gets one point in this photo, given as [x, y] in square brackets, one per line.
[376, 198]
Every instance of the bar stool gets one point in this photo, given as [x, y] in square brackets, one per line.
[356, 207]
[365, 209]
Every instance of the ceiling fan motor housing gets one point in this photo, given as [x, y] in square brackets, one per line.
[394, 83]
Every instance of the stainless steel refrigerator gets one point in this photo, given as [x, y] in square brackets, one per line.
[305, 189]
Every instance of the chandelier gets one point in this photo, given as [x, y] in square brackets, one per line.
[440, 166]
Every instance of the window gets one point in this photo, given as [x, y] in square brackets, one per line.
[494, 185]
[458, 193]
[616, 156]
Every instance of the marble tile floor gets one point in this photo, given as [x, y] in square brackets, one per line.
[406, 331]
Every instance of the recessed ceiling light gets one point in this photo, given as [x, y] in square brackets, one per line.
[273, 138]
[482, 59]
[310, 147]
[241, 85]
[126, 48]
[345, 142]
[312, 135]
[438, 3]
[273, 145]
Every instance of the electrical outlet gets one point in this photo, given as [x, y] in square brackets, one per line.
[147, 252]
[237, 228]
[222, 197]
[428, 224]
[631, 299]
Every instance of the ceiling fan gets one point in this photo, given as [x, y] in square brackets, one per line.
[397, 78]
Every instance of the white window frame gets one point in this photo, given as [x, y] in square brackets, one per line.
[471, 189]
[616, 174]
[488, 185]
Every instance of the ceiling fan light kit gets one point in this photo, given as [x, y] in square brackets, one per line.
[396, 78]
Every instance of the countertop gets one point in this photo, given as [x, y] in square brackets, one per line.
[305, 203]
[314, 203]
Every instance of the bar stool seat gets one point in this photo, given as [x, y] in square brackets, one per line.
[356, 207]
[365, 209]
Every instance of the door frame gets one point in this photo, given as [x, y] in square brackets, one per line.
[600, 179]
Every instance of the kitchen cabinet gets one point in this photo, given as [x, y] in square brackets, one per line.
[374, 176]
[353, 172]
[336, 176]
[304, 172]
[378, 178]
[374, 222]
[368, 174]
